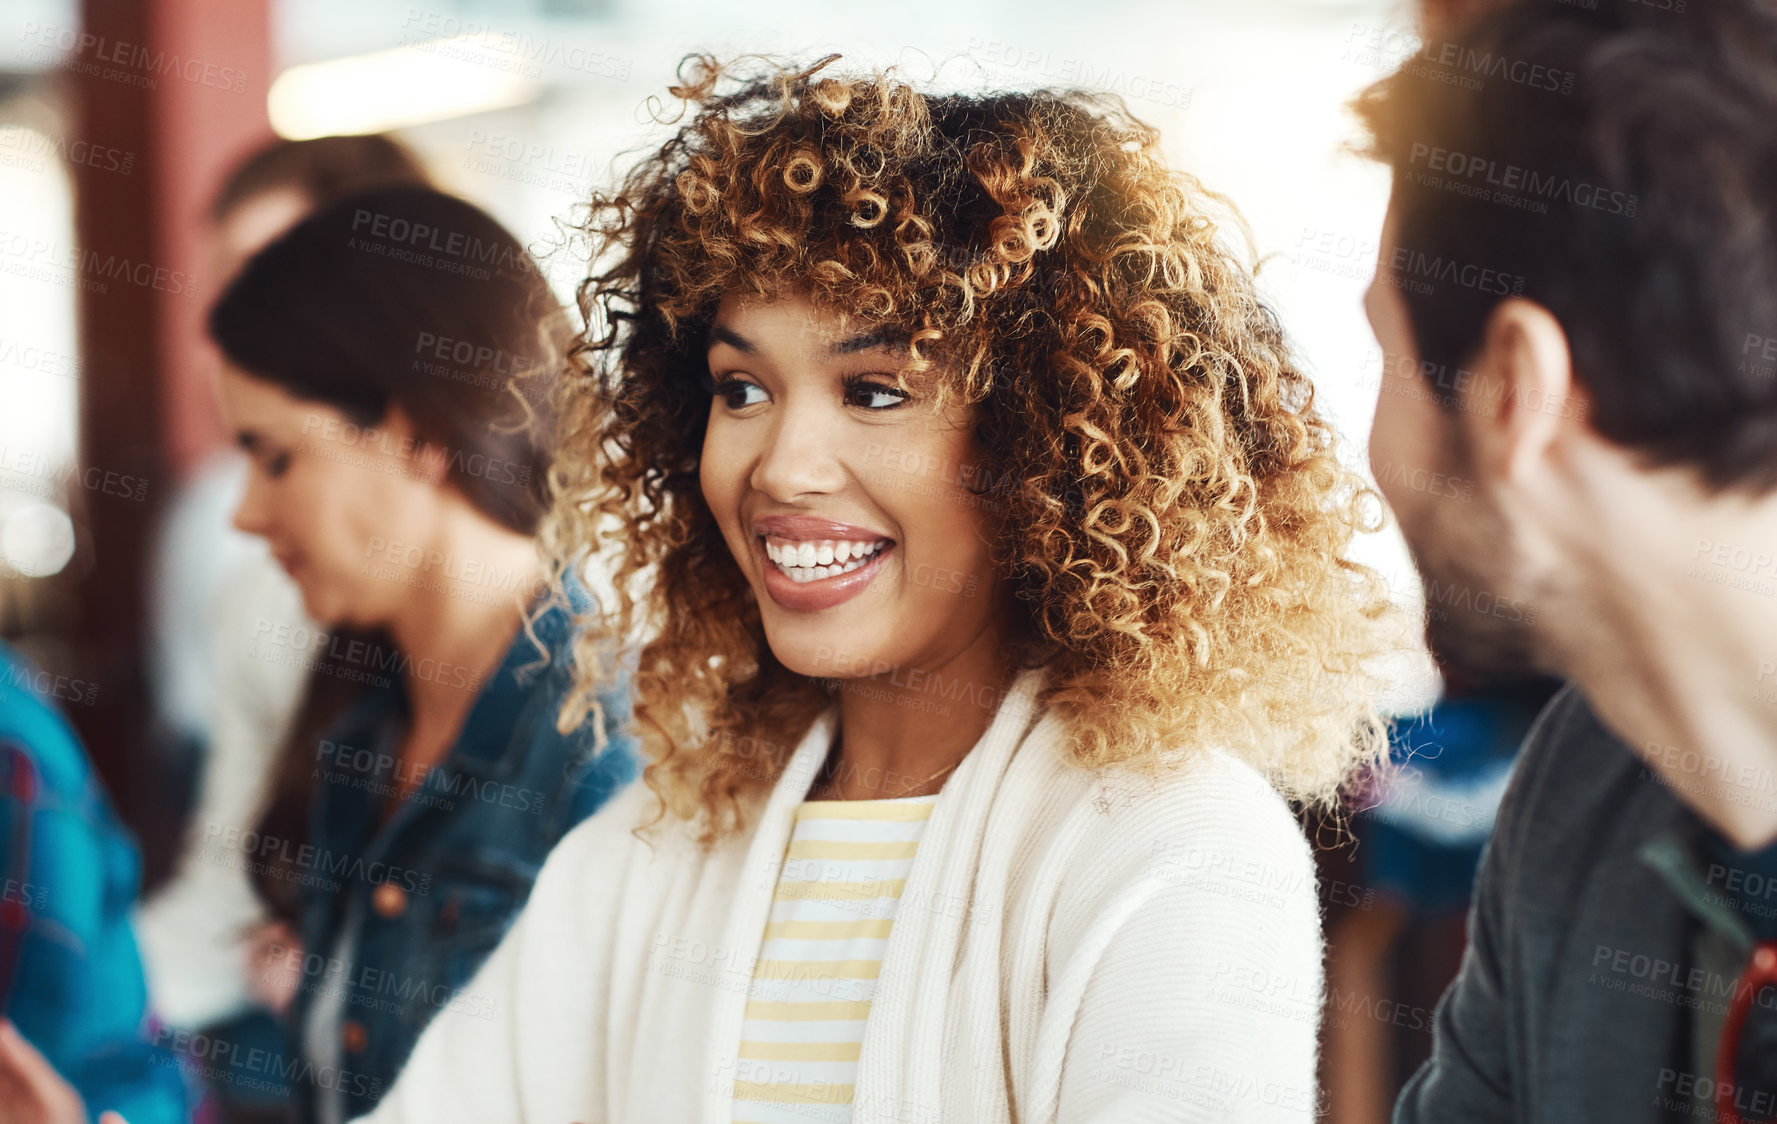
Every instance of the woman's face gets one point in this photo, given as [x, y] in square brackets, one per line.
[334, 501]
[844, 502]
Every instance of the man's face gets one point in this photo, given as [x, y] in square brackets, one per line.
[1477, 608]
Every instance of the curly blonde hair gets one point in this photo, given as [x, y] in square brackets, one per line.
[1165, 502]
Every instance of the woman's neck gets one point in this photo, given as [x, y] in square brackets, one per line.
[454, 629]
[904, 732]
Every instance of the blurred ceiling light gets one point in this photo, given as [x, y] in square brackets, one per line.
[392, 89]
[37, 540]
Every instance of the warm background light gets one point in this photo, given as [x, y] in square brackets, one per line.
[393, 89]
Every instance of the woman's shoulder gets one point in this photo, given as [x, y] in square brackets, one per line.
[1197, 793]
[1205, 823]
[627, 839]
[609, 833]
[1207, 789]
[1202, 850]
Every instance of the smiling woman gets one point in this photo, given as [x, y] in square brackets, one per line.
[1100, 396]
[838, 547]
[987, 553]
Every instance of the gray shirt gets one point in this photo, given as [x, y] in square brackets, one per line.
[1594, 973]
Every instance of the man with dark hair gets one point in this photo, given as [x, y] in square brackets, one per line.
[1577, 301]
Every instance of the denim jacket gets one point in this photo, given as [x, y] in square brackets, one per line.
[401, 913]
[70, 977]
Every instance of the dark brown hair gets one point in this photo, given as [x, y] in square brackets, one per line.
[1617, 161]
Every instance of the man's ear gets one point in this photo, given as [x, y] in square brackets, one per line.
[1525, 390]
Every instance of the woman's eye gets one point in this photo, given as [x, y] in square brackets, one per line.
[277, 464]
[873, 395]
[738, 394]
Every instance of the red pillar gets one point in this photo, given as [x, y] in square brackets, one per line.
[182, 84]
[202, 129]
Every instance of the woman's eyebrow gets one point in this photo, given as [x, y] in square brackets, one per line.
[878, 337]
[863, 341]
[721, 333]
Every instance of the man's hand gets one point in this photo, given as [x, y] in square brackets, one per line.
[31, 1091]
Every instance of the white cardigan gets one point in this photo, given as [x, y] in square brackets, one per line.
[1070, 946]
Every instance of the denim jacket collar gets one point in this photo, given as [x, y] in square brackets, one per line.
[495, 731]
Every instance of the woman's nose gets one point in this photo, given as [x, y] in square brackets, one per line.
[249, 513]
[801, 456]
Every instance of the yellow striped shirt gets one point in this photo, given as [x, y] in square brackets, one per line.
[830, 919]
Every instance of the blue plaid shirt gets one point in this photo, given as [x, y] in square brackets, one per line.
[70, 976]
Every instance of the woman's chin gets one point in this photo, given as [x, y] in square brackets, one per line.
[828, 657]
[324, 610]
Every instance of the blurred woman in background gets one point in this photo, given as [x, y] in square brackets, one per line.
[224, 694]
[385, 360]
[996, 599]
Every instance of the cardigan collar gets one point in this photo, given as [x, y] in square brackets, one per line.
[893, 1072]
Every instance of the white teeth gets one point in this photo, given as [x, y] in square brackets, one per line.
[811, 561]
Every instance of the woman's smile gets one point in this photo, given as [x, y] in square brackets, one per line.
[811, 564]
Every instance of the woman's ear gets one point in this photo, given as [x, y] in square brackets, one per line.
[431, 462]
